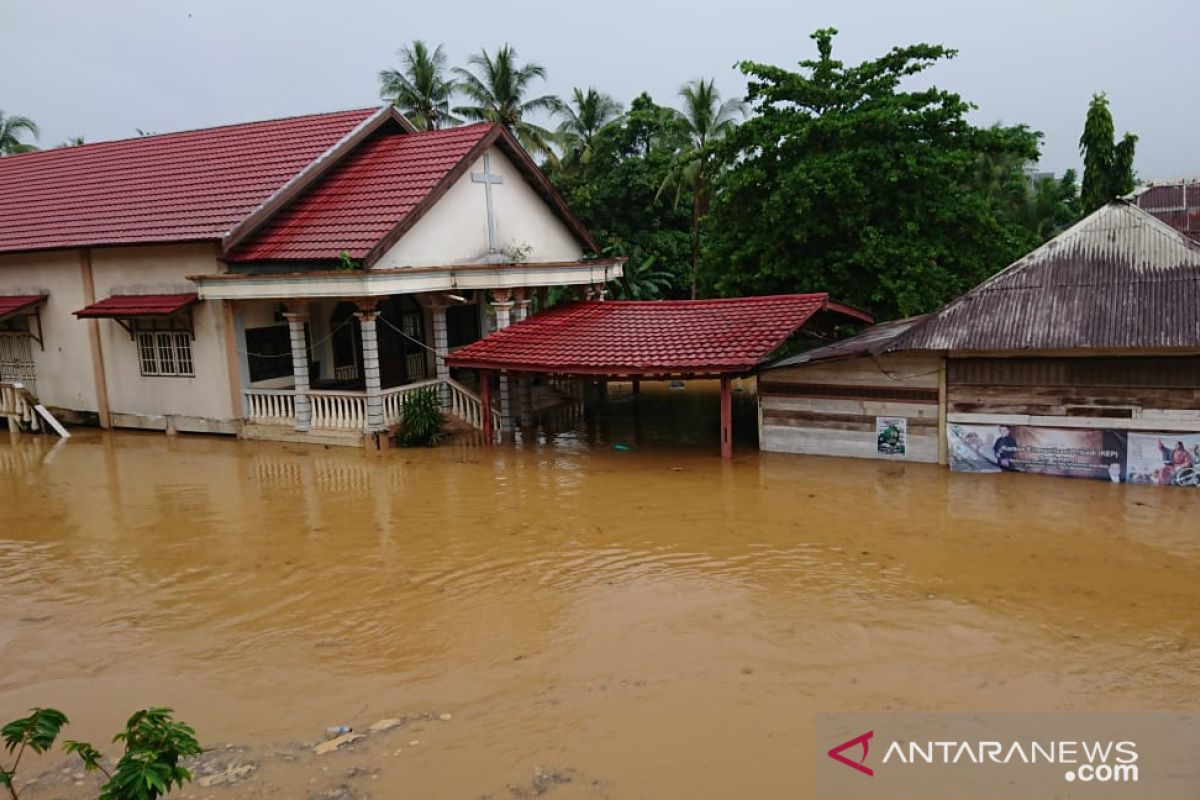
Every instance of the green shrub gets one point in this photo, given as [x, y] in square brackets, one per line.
[149, 767]
[422, 423]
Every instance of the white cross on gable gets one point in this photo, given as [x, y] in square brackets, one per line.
[488, 180]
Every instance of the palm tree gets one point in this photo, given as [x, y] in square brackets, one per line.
[11, 130]
[498, 92]
[707, 120]
[420, 88]
[587, 113]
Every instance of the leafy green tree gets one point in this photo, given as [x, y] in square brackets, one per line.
[421, 88]
[1107, 165]
[845, 182]
[499, 93]
[585, 114]
[13, 128]
[1051, 206]
[615, 191]
[73, 141]
[148, 769]
[707, 120]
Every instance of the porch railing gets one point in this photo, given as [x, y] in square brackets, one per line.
[467, 406]
[347, 411]
[270, 406]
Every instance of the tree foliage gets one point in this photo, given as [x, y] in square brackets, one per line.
[848, 183]
[707, 120]
[498, 92]
[421, 88]
[148, 768]
[14, 128]
[615, 193]
[582, 118]
[1107, 165]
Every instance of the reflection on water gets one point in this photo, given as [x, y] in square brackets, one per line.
[659, 622]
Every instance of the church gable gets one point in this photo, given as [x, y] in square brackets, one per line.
[489, 214]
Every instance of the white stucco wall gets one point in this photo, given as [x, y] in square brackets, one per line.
[64, 368]
[162, 270]
[455, 230]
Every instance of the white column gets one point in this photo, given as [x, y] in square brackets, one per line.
[502, 304]
[296, 320]
[370, 364]
[520, 305]
[441, 349]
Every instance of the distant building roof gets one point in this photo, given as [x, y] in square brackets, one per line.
[872, 341]
[665, 337]
[1175, 202]
[1119, 279]
[194, 185]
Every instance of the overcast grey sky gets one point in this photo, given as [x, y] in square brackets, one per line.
[102, 68]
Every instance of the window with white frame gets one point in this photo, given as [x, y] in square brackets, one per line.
[163, 351]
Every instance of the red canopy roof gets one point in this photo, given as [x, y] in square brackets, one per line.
[15, 304]
[175, 187]
[667, 337]
[363, 198]
[122, 306]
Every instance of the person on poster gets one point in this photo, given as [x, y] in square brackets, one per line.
[1004, 447]
[1174, 460]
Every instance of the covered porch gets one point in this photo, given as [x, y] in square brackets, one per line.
[637, 341]
[332, 358]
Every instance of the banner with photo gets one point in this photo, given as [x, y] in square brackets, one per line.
[1164, 459]
[1167, 459]
[1069, 452]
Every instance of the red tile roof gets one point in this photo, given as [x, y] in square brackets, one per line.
[122, 306]
[194, 185]
[648, 338]
[362, 199]
[14, 304]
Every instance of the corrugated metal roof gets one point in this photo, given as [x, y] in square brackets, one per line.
[872, 341]
[1175, 202]
[1118, 279]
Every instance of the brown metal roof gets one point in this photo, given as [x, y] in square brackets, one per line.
[1118, 279]
[1176, 203]
[869, 342]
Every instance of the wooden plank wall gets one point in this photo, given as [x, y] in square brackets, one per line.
[1078, 401]
[829, 408]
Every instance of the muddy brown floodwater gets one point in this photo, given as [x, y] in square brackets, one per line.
[562, 619]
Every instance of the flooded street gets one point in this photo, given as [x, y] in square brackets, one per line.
[565, 619]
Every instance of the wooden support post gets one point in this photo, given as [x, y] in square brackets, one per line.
[726, 419]
[485, 397]
[637, 386]
[943, 444]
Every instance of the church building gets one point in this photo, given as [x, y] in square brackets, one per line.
[292, 279]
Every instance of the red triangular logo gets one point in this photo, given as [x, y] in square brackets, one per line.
[836, 752]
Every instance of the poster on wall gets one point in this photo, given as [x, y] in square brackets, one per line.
[1069, 452]
[1166, 459]
[891, 435]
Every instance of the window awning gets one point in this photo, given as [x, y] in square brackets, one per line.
[128, 306]
[19, 305]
